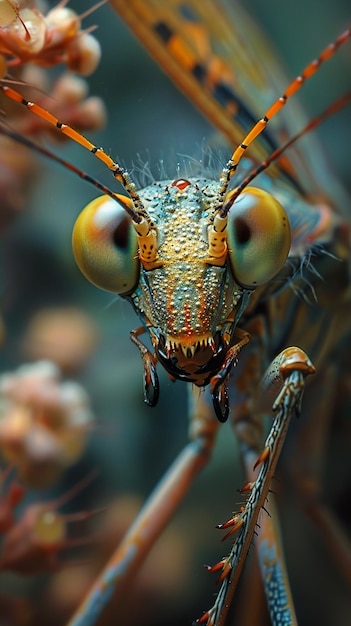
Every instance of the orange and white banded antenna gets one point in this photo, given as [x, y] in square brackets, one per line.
[332, 109]
[292, 88]
[136, 210]
[28, 143]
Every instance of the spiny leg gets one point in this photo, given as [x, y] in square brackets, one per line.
[291, 367]
[153, 517]
[307, 474]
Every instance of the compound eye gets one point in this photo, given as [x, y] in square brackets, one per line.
[105, 245]
[258, 237]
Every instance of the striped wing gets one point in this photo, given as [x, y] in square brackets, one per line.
[220, 59]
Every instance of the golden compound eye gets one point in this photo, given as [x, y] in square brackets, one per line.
[258, 237]
[105, 246]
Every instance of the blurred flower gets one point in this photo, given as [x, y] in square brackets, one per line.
[65, 335]
[44, 423]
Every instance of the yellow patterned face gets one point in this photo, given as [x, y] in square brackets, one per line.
[191, 295]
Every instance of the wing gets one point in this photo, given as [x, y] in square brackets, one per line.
[220, 59]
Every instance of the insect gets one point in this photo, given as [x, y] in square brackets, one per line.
[166, 352]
